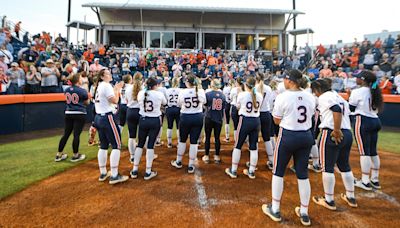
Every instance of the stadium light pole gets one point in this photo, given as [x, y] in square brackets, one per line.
[68, 19]
[294, 26]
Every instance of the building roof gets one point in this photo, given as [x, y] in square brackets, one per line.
[82, 25]
[192, 8]
[295, 32]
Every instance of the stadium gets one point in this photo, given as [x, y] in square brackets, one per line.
[180, 113]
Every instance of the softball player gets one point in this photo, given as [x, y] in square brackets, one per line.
[123, 101]
[132, 112]
[265, 118]
[105, 98]
[161, 88]
[233, 97]
[75, 116]
[150, 102]
[365, 103]
[227, 114]
[292, 111]
[335, 144]
[191, 101]
[248, 103]
[214, 118]
[173, 111]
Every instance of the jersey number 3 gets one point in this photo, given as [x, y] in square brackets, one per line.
[303, 114]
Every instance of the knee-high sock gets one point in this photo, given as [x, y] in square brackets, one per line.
[272, 140]
[180, 151]
[315, 155]
[102, 159]
[277, 189]
[114, 162]
[269, 151]
[227, 130]
[253, 160]
[365, 162]
[235, 159]
[192, 153]
[169, 136]
[348, 182]
[328, 180]
[149, 159]
[304, 192]
[376, 164]
[177, 135]
[138, 156]
[131, 146]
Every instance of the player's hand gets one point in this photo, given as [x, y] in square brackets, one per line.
[337, 136]
[119, 85]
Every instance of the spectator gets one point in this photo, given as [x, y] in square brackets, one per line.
[385, 85]
[17, 28]
[125, 67]
[16, 76]
[397, 82]
[89, 56]
[350, 82]
[385, 65]
[337, 83]
[251, 65]
[33, 79]
[8, 57]
[50, 76]
[3, 65]
[389, 44]
[3, 82]
[325, 72]
[377, 71]
[369, 60]
[25, 38]
[95, 67]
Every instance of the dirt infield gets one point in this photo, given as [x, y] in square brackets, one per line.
[207, 199]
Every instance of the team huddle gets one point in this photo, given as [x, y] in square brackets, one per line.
[299, 120]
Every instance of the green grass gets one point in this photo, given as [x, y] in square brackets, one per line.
[389, 141]
[26, 162]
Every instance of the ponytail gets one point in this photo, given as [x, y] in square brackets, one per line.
[192, 80]
[137, 84]
[260, 83]
[250, 83]
[98, 79]
[241, 84]
[150, 83]
[376, 93]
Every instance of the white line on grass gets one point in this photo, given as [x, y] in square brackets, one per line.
[202, 196]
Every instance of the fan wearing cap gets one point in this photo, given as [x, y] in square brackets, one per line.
[248, 103]
[365, 103]
[150, 102]
[293, 111]
[50, 75]
[16, 76]
[214, 118]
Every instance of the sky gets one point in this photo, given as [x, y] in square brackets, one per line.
[331, 20]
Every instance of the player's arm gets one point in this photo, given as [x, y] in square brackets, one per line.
[114, 97]
[337, 134]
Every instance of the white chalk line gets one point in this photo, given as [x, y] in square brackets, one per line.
[380, 195]
[202, 196]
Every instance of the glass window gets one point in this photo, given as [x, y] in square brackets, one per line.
[131, 39]
[167, 40]
[154, 39]
[245, 42]
[185, 40]
[268, 42]
[217, 40]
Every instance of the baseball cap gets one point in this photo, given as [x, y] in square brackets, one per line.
[1, 54]
[14, 64]
[96, 59]
[49, 61]
[358, 74]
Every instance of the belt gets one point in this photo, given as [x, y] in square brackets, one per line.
[105, 114]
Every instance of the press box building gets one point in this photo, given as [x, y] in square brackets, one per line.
[171, 26]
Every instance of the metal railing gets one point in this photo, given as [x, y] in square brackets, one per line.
[11, 26]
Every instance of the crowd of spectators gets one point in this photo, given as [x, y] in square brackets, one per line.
[43, 67]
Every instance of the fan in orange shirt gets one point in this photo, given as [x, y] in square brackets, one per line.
[385, 85]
